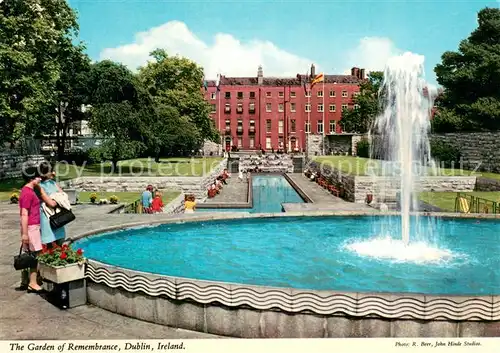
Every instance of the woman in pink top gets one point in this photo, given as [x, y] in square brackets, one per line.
[29, 207]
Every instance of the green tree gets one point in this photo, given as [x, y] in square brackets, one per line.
[32, 34]
[120, 112]
[361, 119]
[471, 78]
[175, 84]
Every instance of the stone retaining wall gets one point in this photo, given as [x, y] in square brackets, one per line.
[187, 185]
[357, 187]
[11, 164]
[485, 184]
[175, 206]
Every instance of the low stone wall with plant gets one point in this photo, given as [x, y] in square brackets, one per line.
[357, 187]
[175, 206]
[11, 164]
[186, 185]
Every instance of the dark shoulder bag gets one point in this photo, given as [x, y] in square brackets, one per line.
[62, 217]
[25, 260]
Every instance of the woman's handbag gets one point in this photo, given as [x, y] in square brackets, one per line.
[61, 218]
[25, 260]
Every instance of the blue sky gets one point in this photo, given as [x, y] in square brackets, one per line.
[234, 37]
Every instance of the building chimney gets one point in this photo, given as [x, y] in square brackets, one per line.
[313, 71]
[260, 76]
[362, 74]
[355, 72]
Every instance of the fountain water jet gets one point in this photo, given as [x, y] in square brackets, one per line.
[400, 142]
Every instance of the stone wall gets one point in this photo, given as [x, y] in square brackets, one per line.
[187, 185]
[485, 184]
[341, 144]
[11, 164]
[477, 148]
[357, 187]
[175, 206]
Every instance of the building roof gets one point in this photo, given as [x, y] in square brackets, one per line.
[282, 81]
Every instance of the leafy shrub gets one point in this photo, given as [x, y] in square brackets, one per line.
[445, 153]
[363, 148]
[93, 197]
[113, 199]
[14, 197]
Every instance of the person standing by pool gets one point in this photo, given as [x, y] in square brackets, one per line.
[29, 208]
[47, 187]
[157, 203]
[147, 199]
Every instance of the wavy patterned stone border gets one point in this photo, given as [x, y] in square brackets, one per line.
[383, 305]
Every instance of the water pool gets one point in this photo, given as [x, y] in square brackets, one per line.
[304, 253]
[269, 192]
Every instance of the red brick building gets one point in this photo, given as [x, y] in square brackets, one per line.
[276, 113]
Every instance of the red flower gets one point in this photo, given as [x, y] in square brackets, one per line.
[63, 256]
[79, 251]
[64, 247]
[44, 248]
[51, 250]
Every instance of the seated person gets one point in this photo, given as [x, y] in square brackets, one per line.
[190, 204]
[218, 184]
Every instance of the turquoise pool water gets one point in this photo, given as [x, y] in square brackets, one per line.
[308, 253]
[269, 192]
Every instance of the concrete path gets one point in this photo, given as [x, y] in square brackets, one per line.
[235, 191]
[28, 316]
[322, 199]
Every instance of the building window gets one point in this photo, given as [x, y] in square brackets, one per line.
[213, 108]
[228, 125]
[293, 94]
[332, 108]
[227, 108]
[280, 94]
[213, 95]
[252, 95]
[292, 107]
[239, 108]
[308, 93]
[268, 107]
[320, 127]
[268, 126]
[333, 124]
[356, 106]
[251, 107]
[268, 143]
[308, 108]
[344, 106]
[320, 93]
[240, 142]
[332, 93]
[344, 94]
[308, 128]
[293, 126]
[240, 95]
[269, 94]
[320, 108]
[227, 95]
[252, 126]
[280, 142]
[280, 107]
[251, 141]
[280, 126]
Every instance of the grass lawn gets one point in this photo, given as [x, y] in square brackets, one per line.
[361, 166]
[446, 200]
[125, 197]
[142, 167]
[133, 167]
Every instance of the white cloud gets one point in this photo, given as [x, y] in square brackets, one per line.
[227, 55]
[371, 53]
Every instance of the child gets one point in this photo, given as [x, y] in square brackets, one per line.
[157, 204]
[29, 207]
[189, 204]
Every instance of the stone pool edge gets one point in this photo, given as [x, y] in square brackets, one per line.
[247, 311]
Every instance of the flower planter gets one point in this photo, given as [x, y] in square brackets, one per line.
[62, 274]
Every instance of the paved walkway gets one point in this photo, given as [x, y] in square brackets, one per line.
[322, 199]
[28, 316]
[235, 191]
